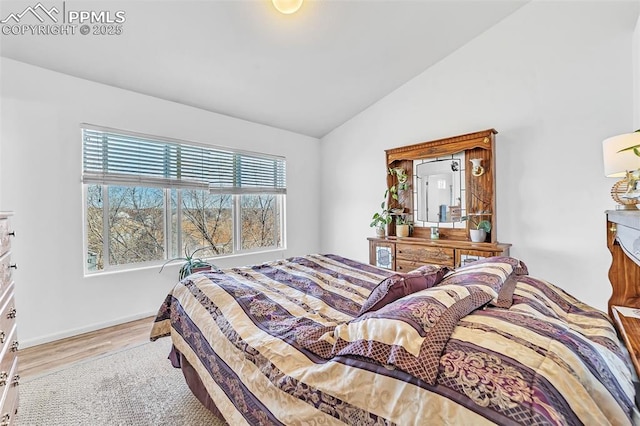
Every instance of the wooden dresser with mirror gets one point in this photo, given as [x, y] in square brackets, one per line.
[445, 196]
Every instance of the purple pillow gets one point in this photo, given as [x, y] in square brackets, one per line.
[427, 269]
[519, 267]
[399, 285]
[499, 272]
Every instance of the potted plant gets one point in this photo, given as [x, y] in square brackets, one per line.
[402, 177]
[191, 264]
[479, 233]
[402, 185]
[403, 226]
[380, 220]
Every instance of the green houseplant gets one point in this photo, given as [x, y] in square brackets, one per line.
[479, 233]
[191, 263]
[385, 216]
[403, 226]
[401, 185]
[381, 219]
[403, 178]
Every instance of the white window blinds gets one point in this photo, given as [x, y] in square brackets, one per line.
[114, 157]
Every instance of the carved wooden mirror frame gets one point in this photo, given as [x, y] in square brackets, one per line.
[480, 190]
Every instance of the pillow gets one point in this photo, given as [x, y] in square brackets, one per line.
[409, 333]
[428, 269]
[519, 268]
[498, 272]
[400, 285]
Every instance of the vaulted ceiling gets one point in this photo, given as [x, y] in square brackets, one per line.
[307, 73]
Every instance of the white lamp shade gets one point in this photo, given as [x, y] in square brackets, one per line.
[617, 163]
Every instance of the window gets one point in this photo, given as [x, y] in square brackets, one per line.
[149, 199]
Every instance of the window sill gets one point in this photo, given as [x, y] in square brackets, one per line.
[214, 260]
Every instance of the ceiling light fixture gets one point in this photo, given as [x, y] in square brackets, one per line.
[287, 6]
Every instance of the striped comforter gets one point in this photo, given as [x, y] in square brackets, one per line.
[547, 359]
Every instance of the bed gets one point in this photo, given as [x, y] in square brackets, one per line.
[323, 340]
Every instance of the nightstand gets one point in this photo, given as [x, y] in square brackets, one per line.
[627, 321]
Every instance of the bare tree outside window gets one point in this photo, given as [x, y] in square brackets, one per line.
[136, 224]
[259, 221]
[207, 221]
[174, 238]
[196, 218]
[95, 228]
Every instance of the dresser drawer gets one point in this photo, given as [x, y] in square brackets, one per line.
[5, 272]
[9, 402]
[7, 320]
[9, 356]
[405, 266]
[423, 254]
[464, 257]
[5, 238]
[9, 350]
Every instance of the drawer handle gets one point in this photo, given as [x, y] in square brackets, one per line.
[14, 266]
[16, 380]
[5, 420]
[12, 234]
[12, 313]
[2, 336]
[3, 378]
[14, 346]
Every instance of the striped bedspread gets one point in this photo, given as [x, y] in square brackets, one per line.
[264, 342]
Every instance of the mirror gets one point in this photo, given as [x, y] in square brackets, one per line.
[439, 190]
[470, 192]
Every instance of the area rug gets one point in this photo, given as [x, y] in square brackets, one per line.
[135, 386]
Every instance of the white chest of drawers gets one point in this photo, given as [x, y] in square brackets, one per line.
[9, 377]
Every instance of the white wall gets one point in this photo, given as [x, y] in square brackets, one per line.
[40, 180]
[555, 79]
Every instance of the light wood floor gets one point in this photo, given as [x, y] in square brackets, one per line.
[39, 359]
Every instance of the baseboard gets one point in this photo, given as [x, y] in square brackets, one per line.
[70, 333]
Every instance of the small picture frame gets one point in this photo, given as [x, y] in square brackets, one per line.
[435, 233]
